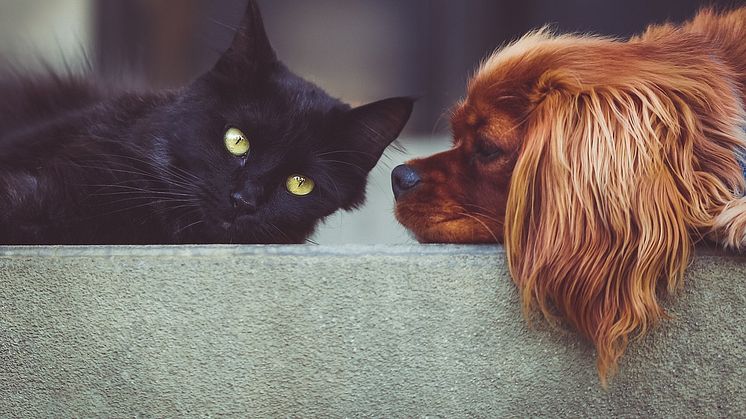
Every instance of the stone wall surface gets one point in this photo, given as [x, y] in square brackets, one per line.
[348, 331]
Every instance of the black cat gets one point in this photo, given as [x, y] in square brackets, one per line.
[248, 153]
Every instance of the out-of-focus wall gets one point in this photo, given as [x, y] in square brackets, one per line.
[359, 50]
[56, 31]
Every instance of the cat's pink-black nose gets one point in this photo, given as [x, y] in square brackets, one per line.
[243, 202]
[403, 179]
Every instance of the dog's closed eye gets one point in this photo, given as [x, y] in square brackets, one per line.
[486, 150]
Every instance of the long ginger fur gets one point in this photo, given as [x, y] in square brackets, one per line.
[627, 162]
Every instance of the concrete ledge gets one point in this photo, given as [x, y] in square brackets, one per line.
[354, 331]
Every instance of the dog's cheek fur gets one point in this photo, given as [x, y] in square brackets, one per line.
[604, 198]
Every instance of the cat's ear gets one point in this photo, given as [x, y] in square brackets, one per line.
[250, 52]
[371, 128]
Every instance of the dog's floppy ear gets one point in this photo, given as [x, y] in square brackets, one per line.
[608, 187]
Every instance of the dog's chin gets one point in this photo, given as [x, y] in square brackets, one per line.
[430, 227]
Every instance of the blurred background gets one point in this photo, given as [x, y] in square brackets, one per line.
[358, 50]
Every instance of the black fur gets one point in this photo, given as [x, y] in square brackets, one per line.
[79, 165]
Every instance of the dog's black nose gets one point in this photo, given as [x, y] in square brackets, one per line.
[403, 179]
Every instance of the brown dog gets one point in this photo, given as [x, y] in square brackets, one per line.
[599, 163]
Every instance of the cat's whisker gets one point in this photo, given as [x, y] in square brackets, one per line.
[337, 193]
[358, 168]
[143, 193]
[192, 209]
[151, 202]
[188, 204]
[114, 190]
[169, 168]
[207, 193]
[135, 189]
[281, 232]
[371, 155]
[124, 186]
[132, 172]
[194, 224]
[149, 198]
[230, 237]
[130, 208]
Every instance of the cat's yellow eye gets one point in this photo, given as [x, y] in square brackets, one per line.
[236, 142]
[300, 185]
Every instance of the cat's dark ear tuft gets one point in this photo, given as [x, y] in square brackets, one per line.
[250, 51]
[371, 128]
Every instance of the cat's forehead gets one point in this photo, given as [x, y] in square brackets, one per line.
[304, 95]
[290, 110]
